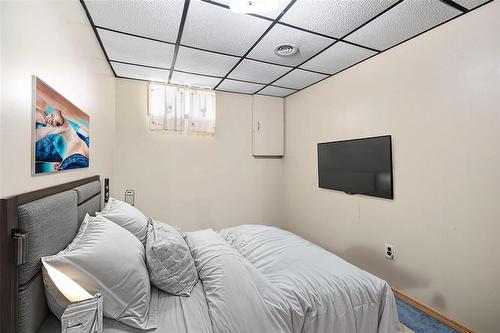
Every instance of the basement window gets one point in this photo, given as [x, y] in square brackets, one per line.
[180, 109]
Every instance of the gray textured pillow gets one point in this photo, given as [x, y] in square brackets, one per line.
[128, 217]
[108, 259]
[171, 267]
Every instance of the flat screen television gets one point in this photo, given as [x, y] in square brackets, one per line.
[359, 166]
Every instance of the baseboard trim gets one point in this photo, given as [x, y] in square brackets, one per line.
[431, 312]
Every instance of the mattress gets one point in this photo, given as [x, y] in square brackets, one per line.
[263, 279]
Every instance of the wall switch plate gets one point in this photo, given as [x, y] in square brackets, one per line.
[130, 197]
[389, 251]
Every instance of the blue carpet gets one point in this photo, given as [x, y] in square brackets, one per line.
[419, 321]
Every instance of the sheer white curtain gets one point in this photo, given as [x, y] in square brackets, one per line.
[156, 108]
[201, 111]
[181, 109]
[166, 107]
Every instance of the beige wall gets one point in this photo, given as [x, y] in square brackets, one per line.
[190, 180]
[53, 40]
[439, 97]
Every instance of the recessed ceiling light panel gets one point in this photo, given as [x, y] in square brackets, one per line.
[285, 49]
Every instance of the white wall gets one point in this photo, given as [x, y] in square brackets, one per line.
[190, 180]
[439, 97]
[1, 89]
[53, 40]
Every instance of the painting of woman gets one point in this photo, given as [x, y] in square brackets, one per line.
[61, 139]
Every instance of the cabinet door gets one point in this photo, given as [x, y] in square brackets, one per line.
[268, 123]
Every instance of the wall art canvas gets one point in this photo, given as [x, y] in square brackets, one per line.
[61, 132]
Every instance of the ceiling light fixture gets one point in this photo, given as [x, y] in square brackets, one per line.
[285, 49]
[253, 6]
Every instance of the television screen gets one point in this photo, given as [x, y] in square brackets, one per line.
[359, 166]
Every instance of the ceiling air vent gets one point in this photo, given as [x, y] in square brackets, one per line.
[285, 49]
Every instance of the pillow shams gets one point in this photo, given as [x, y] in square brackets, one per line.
[171, 266]
[56, 301]
[108, 259]
[128, 217]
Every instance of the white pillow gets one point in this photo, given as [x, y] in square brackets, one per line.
[108, 259]
[56, 301]
[128, 217]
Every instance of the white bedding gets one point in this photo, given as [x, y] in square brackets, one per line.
[260, 279]
[325, 293]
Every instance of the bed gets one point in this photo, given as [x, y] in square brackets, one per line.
[252, 278]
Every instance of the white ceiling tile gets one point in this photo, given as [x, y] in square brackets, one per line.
[299, 79]
[308, 44]
[337, 57]
[334, 18]
[281, 5]
[202, 62]
[136, 50]
[239, 87]
[139, 72]
[218, 29]
[153, 19]
[194, 80]
[469, 4]
[404, 21]
[276, 91]
[255, 71]
[212, 27]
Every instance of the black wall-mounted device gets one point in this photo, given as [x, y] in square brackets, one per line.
[106, 189]
[359, 166]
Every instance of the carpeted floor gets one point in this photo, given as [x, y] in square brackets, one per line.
[405, 329]
[418, 321]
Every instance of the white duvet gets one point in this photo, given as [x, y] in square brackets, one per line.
[258, 279]
[323, 292]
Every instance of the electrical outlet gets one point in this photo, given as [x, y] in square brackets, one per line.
[389, 251]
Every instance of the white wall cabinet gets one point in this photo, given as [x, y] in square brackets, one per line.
[268, 126]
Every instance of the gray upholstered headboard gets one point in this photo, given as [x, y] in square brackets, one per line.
[49, 224]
